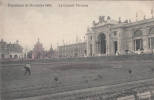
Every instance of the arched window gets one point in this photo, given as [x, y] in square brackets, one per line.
[137, 33]
[15, 56]
[101, 36]
[151, 30]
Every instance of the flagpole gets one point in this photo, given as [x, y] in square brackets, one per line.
[152, 12]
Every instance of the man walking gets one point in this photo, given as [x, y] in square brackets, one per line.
[27, 69]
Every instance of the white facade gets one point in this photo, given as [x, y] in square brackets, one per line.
[115, 38]
[10, 50]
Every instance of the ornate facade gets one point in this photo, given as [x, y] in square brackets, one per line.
[110, 37]
[10, 50]
[38, 51]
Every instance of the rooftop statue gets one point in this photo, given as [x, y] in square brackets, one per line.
[94, 23]
[108, 17]
[101, 19]
[119, 19]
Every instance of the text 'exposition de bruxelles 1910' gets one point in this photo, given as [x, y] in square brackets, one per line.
[60, 5]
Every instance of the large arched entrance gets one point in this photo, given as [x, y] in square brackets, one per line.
[15, 56]
[102, 43]
[138, 41]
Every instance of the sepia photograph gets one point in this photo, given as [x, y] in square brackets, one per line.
[76, 50]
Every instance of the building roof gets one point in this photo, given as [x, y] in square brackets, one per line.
[116, 24]
[10, 47]
[125, 25]
[74, 44]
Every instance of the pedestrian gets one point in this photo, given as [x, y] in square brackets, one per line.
[56, 79]
[27, 69]
[129, 71]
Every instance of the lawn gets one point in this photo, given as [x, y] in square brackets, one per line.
[70, 75]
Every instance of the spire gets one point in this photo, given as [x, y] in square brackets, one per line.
[136, 16]
[51, 47]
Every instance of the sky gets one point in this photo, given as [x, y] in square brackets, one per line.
[55, 25]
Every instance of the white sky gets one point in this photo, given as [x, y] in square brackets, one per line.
[53, 24]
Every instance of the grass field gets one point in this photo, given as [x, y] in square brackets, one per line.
[71, 76]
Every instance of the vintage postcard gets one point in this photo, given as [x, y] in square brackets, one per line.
[76, 50]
